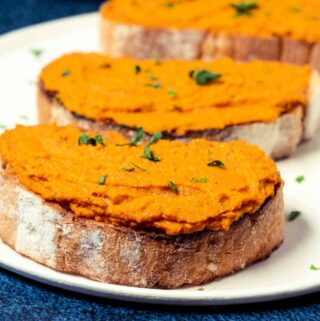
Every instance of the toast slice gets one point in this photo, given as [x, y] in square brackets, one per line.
[202, 29]
[278, 136]
[50, 233]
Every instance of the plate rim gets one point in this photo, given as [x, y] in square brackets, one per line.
[18, 37]
[150, 296]
[22, 36]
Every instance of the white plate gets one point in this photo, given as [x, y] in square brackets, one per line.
[285, 274]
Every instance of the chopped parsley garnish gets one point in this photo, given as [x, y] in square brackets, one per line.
[24, 117]
[148, 154]
[203, 77]
[128, 169]
[245, 8]
[135, 141]
[299, 179]
[155, 85]
[216, 163]
[66, 73]
[293, 215]
[155, 138]
[151, 77]
[3, 126]
[137, 69]
[168, 4]
[102, 179]
[314, 268]
[173, 187]
[138, 138]
[37, 52]
[84, 139]
[172, 92]
[99, 140]
[199, 180]
[137, 166]
[295, 9]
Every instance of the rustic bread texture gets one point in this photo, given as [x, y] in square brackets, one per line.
[119, 39]
[50, 235]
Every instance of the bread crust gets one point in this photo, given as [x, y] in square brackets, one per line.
[120, 39]
[50, 235]
[278, 139]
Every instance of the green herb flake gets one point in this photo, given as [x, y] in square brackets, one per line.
[244, 8]
[3, 126]
[293, 215]
[173, 187]
[24, 117]
[300, 179]
[37, 52]
[314, 268]
[84, 139]
[199, 180]
[135, 141]
[102, 180]
[203, 77]
[168, 4]
[148, 154]
[151, 77]
[128, 169]
[172, 92]
[99, 140]
[153, 85]
[139, 167]
[66, 73]
[157, 136]
[216, 163]
[295, 9]
[138, 138]
[137, 69]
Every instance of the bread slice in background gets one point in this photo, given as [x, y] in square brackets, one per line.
[278, 138]
[124, 35]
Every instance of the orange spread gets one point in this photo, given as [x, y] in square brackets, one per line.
[48, 161]
[291, 19]
[163, 97]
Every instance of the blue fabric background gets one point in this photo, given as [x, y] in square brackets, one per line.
[21, 299]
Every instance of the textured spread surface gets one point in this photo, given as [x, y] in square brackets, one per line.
[20, 297]
[163, 96]
[187, 188]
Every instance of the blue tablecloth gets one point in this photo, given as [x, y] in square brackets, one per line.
[22, 299]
